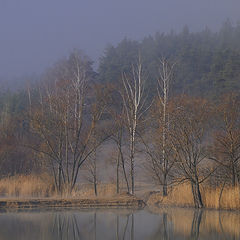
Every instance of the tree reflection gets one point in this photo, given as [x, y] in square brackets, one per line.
[221, 226]
[162, 231]
[165, 224]
[65, 226]
[132, 227]
[125, 227]
[197, 218]
[166, 227]
[69, 226]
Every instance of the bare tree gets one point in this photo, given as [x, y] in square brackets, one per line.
[166, 71]
[91, 171]
[134, 102]
[226, 147]
[118, 137]
[66, 118]
[192, 116]
[158, 146]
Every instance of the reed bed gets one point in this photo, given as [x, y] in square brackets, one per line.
[227, 198]
[178, 196]
[41, 186]
[216, 198]
[27, 186]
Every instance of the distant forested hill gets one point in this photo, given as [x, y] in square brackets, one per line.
[208, 63]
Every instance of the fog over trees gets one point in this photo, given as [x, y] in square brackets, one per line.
[169, 104]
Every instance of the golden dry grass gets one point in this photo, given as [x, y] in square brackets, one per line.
[26, 186]
[178, 196]
[230, 198]
[42, 186]
[182, 196]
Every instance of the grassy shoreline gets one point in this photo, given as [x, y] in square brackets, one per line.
[213, 198]
[101, 203]
[36, 192]
[121, 202]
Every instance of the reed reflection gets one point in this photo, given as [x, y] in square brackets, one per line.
[196, 224]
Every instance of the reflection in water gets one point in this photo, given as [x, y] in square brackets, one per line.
[165, 233]
[132, 227]
[169, 223]
[197, 218]
[66, 227]
[125, 228]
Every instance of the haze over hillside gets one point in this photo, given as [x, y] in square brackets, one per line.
[34, 34]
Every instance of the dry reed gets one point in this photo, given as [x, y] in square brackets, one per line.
[229, 199]
[177, 196]
[26, 186]
[212, 198]
[41, 186]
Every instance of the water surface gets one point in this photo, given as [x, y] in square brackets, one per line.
[169, 223]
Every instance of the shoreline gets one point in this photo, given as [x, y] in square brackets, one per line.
[130, 202]
[155, 208]
[94, 203]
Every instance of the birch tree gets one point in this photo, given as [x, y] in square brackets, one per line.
[158, 146]
[134, 101]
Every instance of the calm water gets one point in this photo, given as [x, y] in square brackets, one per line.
[171, 223]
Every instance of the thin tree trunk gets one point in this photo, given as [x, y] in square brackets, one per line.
[164, 140]
[132, 163]
[95, 173]
[124, 170]
[95, 186]
[59, 179]
[220, 195]
[234, 177]
[165, 193]
[117, 180]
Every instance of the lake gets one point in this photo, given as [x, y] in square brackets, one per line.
[163, 223]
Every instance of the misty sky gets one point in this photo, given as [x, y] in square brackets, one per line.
[36, 33]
